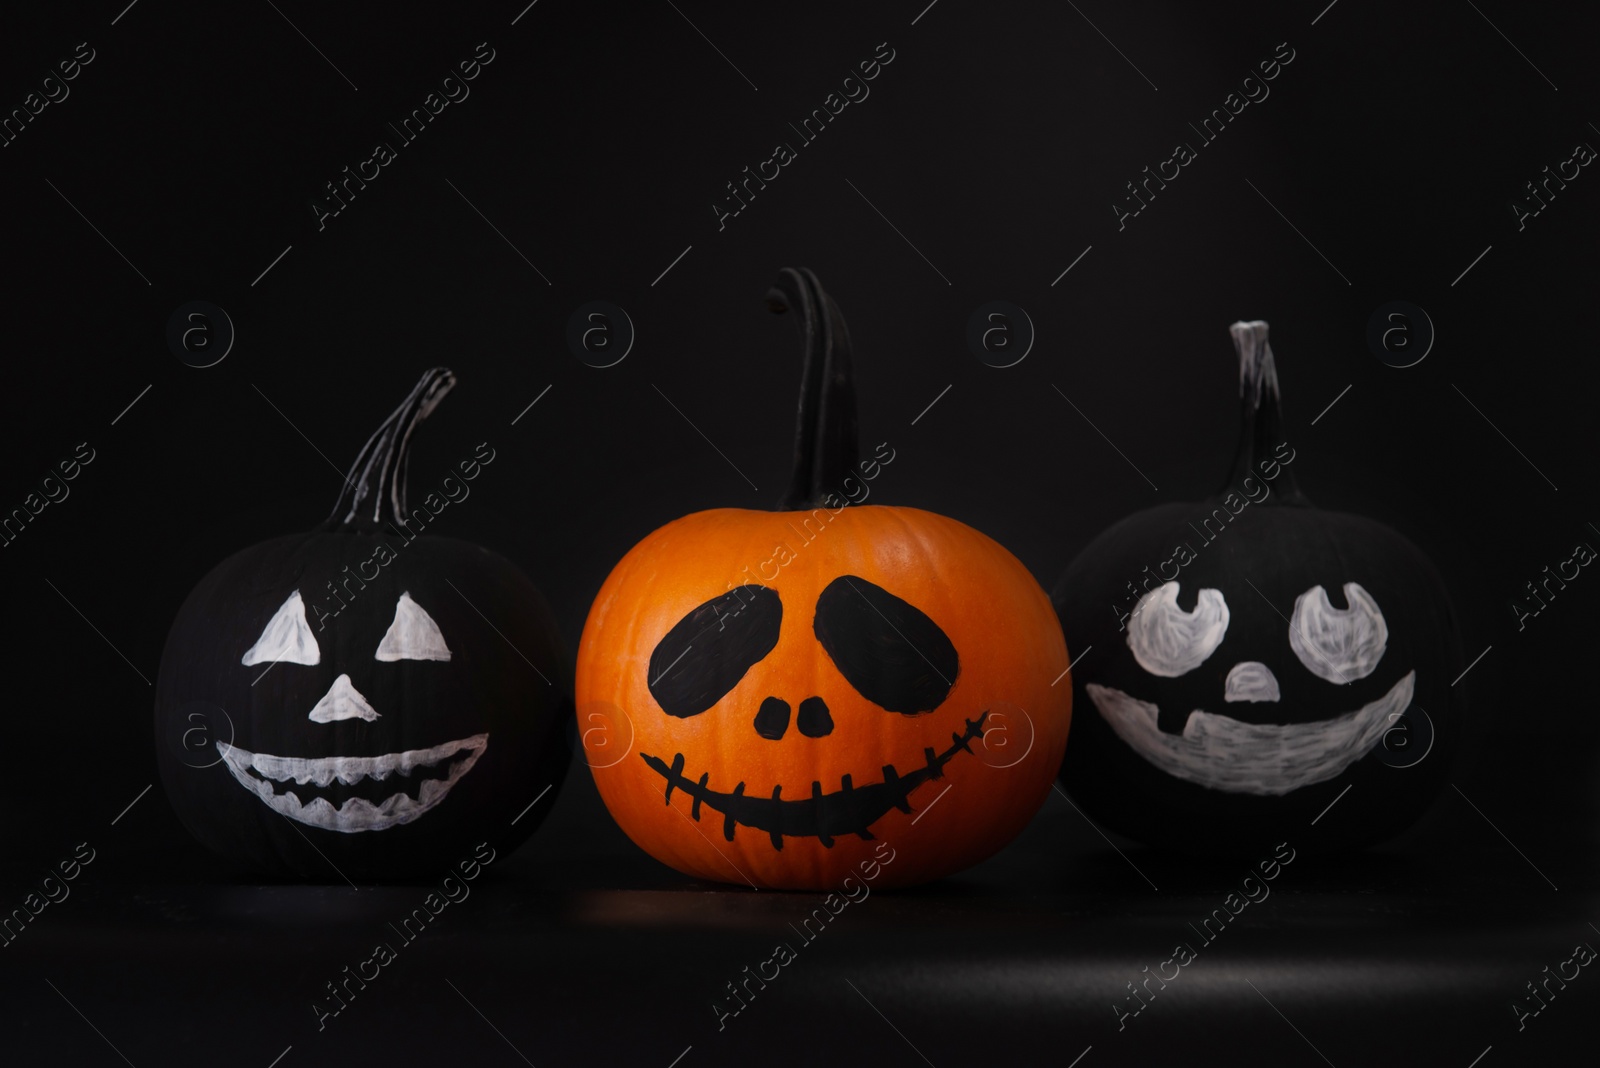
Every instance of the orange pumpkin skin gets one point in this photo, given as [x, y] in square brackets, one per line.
[1012, 663]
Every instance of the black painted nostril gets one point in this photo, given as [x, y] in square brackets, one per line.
[772, 718]
[815, 722]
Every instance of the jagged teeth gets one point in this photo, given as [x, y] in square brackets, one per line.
[253, 770]
[396, 808]
[348, 770]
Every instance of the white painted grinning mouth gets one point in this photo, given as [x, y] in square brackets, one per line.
[1224, 753]
[259, 772]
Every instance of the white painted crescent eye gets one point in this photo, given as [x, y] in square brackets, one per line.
[1168, 641]
[1339, 646]
[413, 635]
[287, 637]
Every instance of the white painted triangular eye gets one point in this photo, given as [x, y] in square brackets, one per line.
[342, 701]
[287, 637]
[413, 635]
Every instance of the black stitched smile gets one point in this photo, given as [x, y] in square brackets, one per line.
[850, 810]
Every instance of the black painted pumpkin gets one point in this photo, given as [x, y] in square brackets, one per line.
[1251, 657]
[366, 701]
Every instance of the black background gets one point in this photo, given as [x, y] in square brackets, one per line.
[995, 142]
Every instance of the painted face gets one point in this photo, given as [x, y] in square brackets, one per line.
[888, 679]
[347, 793]
[892, 659]
[1213, 749]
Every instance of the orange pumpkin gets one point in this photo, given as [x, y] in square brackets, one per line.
[762, 695]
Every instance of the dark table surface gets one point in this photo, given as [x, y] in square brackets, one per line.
[579, 949]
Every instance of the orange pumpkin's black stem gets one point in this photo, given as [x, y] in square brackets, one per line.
[825, 442]
[1263, 443]
[375, 489]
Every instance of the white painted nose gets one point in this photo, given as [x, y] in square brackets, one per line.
[1251, 680]
[344, 701]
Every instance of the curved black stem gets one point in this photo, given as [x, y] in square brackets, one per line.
[825, 441]
[1261, 424]
[378, 477]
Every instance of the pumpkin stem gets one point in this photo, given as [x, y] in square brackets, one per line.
[1261, 425]
[825, 440]
[378, 476]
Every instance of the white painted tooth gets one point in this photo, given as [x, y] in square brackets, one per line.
[317, 813]
[433, 790]
[390, 812]
[356, 810]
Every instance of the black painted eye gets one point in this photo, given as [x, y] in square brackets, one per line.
[709, 650]
[889, 650]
